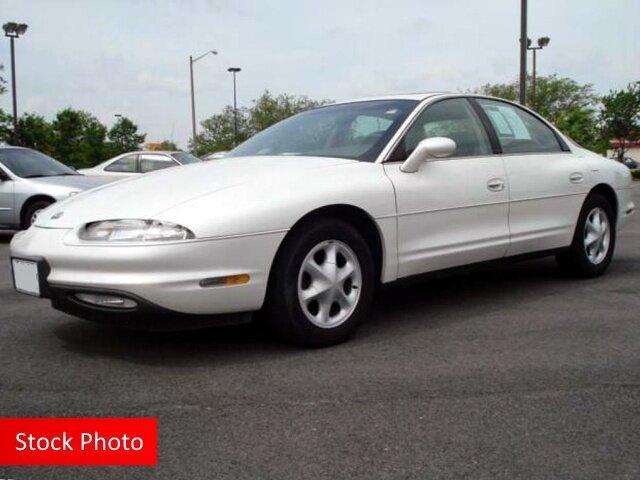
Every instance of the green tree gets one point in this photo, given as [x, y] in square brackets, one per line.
[124, 136]
[34, 131]
[218, 131]
[168, 145]
[620, 116]
[78, 138]
[3, 82]
[570, 106]
[269, 109]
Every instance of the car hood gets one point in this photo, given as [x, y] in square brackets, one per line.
[148, 195]
[79, 182]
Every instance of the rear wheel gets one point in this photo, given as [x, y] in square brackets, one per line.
[31, 212]
[594, 240]
[321, 284]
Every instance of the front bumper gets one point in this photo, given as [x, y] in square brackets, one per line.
[164, 276]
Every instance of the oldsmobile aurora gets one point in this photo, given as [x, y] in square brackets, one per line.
[304, 220]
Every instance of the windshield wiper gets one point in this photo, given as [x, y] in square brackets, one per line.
[35, 176]
[65, 174]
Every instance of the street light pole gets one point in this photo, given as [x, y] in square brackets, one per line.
[523, 51]
[542, 42]
[14, 30]
[235, 70]
[193, 100]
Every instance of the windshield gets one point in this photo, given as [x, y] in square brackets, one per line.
[185, 158]
[27, 163]
[358, 131]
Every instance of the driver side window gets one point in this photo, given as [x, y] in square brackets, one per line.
[453, 118]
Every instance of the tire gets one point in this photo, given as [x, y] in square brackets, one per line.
[582, 260]
[303, 268]
[29, 214]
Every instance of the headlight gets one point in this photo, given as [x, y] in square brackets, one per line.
[134, 231]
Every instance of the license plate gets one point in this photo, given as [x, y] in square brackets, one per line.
[25, 276]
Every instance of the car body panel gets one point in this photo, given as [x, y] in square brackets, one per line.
[446, 214]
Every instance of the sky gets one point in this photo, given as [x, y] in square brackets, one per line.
[131, 57]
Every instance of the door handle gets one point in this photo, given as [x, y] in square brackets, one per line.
[576, 177]
[495, 184]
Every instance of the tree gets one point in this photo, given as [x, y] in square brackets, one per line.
[569, 105]
[168, 145]
[218, 130]
[269, 109]
[3, 82]
[78, 138]
[124, 136]
[620, 116]
[34, 131]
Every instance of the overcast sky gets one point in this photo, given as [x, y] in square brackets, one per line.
[131, 57]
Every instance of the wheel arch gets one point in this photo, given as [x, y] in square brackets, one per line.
[30, 201]
[356, 216]
[610, 194]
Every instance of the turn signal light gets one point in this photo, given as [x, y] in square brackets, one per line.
[229, 280]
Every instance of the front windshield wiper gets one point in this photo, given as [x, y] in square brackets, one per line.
[65, 174]
[35, 176]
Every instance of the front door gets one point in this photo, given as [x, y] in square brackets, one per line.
[7, 205]
[452, 211]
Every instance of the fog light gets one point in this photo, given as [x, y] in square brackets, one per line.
[103, 300]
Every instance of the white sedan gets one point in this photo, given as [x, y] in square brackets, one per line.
[306, 219]
[137, 163]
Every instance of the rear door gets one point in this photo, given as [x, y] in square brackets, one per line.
[547, 183]
[452, 211]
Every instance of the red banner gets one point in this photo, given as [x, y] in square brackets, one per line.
[78, 441]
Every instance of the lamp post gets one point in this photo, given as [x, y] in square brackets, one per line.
[193, 101]
[13, 30]
[523, 51]
[234, 70]
[542, 42]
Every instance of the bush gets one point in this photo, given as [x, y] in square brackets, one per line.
[636, 174]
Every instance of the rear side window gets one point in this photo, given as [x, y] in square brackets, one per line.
[124, 165]
[518, 131]
[151, 163]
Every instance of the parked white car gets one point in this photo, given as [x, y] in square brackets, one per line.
[215, 155]
[30, 181]
[137, 163]
[304, 220]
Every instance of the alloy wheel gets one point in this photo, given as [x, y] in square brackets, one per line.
[329, 283]
[597, 235]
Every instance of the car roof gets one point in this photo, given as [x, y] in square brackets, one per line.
[419, 96]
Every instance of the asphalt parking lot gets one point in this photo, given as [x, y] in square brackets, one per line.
[512, 372]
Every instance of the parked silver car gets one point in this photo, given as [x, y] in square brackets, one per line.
[30, 181]
[136, 163]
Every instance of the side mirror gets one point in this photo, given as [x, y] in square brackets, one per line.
[429, 148]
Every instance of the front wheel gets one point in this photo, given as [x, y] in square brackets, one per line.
[594, 240]
[321, 284]
[31, 212]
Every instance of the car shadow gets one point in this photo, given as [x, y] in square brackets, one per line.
[402, 308]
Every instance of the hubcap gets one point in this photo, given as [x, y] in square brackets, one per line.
[597, 235]
[329, 283]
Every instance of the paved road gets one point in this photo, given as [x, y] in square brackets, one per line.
[511, 373]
